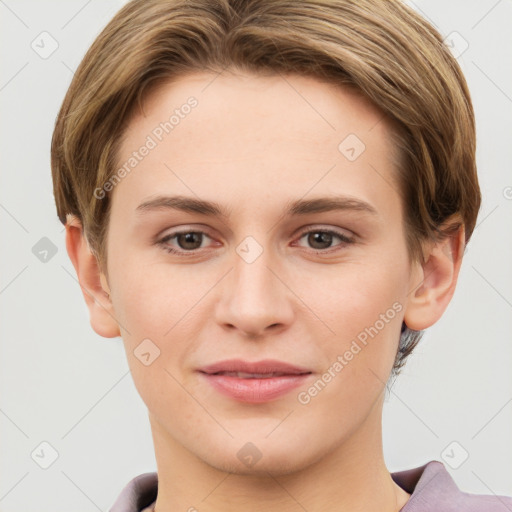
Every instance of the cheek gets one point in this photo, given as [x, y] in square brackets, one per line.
[152, 299]
[155, 308]
[364, 307]
[356, 298]
[164, 305]
[367, 321]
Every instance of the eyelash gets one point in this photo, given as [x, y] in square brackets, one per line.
[163, 243]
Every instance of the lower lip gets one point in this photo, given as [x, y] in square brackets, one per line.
[255, 390]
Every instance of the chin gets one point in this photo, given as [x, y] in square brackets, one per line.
[261, 459]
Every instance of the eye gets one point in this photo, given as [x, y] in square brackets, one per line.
[322, 239]
[187, 241]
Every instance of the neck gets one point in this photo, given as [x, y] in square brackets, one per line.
[351, 477]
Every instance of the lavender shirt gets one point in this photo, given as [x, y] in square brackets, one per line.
[431, 488]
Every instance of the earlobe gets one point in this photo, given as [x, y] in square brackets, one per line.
[433, 283]
[92, 282]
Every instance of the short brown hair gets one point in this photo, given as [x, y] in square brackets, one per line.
[383, 49]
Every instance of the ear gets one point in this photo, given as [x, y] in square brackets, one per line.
[433, 281]
[92, 282]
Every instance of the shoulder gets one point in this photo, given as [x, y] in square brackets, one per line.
[432, 488]
[138, 493]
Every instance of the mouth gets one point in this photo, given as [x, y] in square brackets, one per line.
[254, 382]
[261, 368]
[245, 375]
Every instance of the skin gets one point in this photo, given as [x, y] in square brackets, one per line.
[253, 144]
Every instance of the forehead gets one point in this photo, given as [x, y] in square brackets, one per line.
[301, 97]
[290, 103]
[279, 134]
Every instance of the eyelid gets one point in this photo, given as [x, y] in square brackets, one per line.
[345, 241]
[203, 230]
[181, 231]
[346, 238]
[170, 232]
[343, 233]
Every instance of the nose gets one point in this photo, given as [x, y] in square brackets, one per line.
[255, 298]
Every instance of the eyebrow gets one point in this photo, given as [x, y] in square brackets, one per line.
[297, 207]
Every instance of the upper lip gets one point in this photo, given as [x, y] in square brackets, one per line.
[257, 367]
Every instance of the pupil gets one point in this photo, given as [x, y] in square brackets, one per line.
[319, 238]
[189, 239]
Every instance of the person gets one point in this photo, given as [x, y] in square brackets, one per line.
[269, 202]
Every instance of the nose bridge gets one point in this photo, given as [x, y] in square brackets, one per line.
[252, 276]
[253, 298]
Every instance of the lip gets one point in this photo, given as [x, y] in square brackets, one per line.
[285, 377]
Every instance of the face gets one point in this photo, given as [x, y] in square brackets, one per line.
[299, 281]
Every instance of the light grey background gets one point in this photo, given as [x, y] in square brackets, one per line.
[63, 384]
